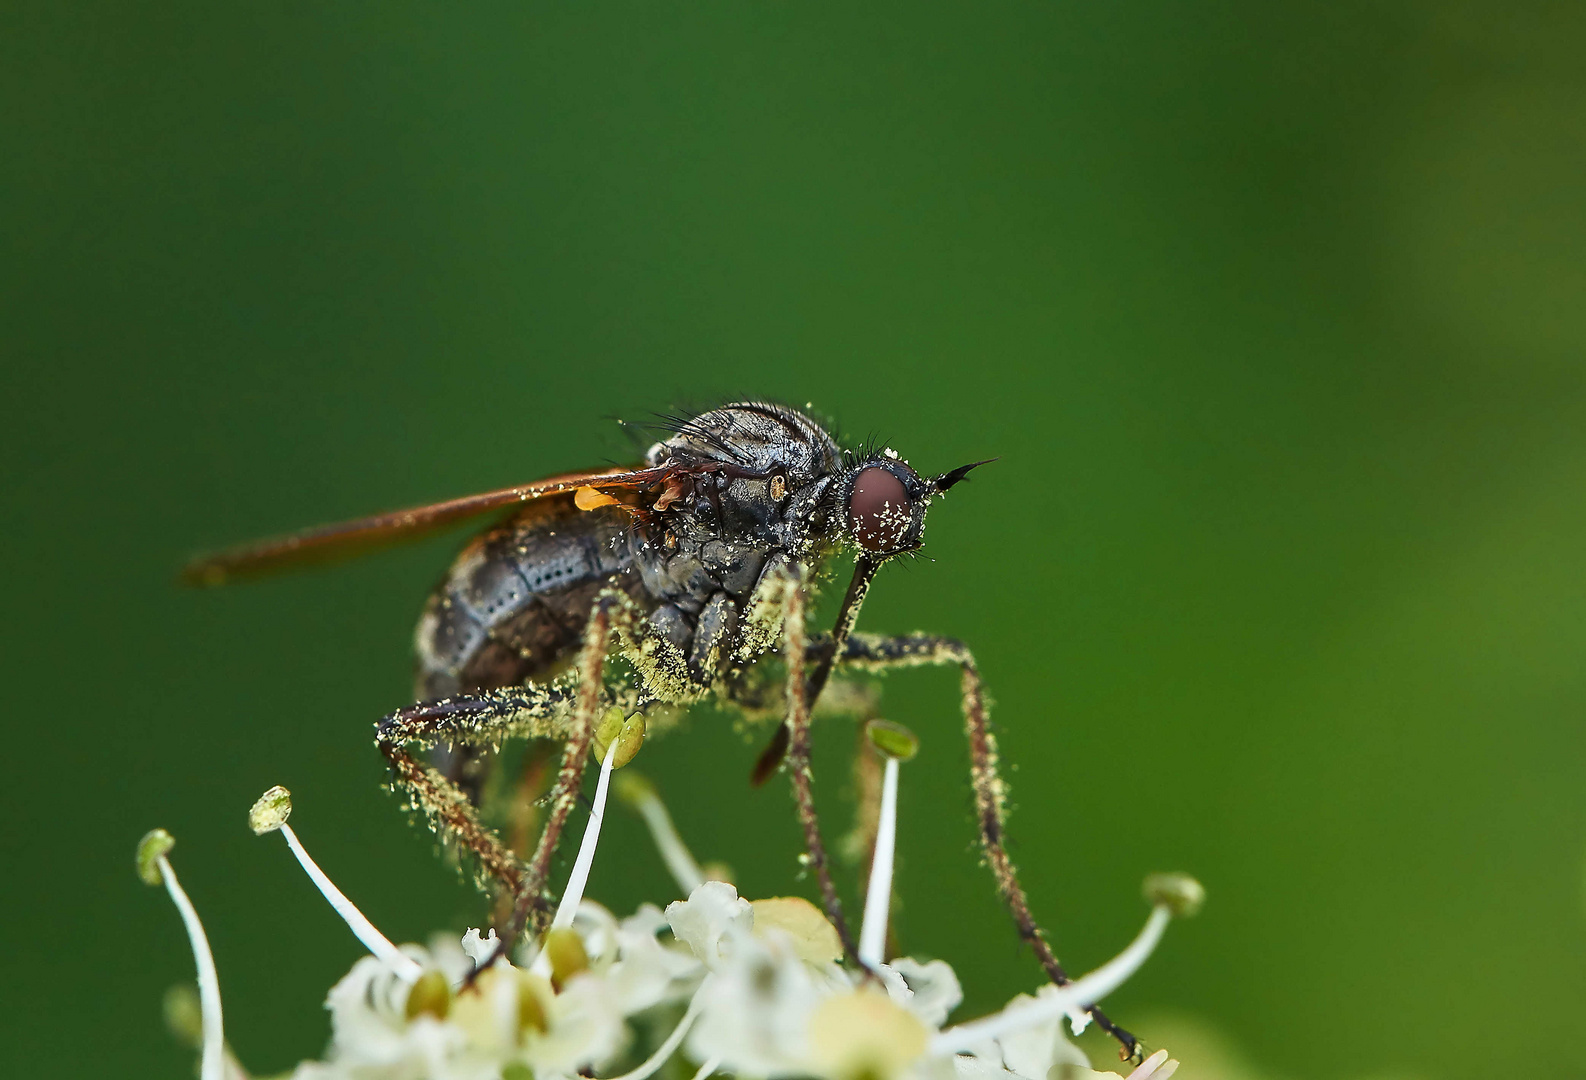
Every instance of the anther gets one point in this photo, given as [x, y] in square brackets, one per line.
[270, 811]
[892, 740]
[430, 995]
[1180, 894]
[154, 846]
[565, 951]
[531, 1010]
[618, 729]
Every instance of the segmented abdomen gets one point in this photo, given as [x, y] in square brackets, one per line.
[515, 603]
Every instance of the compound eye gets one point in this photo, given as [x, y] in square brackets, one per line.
[880, 510]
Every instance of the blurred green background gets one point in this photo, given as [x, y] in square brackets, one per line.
[1274, 314]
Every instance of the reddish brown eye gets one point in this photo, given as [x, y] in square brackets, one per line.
[880, 510]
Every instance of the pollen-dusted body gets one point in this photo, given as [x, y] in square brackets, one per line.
[690, 567]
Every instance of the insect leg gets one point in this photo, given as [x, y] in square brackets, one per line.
[876, 653]
[798, 756]
[532, 908]
[467, 720]
[536, 772]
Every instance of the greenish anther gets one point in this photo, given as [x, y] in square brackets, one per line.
[270, 811]
[617, 727]
[892, 740]
[430, 995]
[565, 949]
[531, 1014]
[1181, 894]
[154, 846]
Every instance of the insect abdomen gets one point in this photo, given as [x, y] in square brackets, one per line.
[515, 603]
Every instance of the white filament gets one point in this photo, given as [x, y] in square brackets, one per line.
[212, 1065]
[653, 1063]
[576, 881]
[679, 860]
[1081, 993]
[708, 1069]
[406, 968]
[878, 894]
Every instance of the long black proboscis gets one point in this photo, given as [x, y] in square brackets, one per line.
[948, 479]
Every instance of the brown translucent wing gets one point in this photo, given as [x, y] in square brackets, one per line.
[333, 542]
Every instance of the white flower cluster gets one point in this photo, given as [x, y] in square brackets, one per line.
[745, 988]
[752, 989]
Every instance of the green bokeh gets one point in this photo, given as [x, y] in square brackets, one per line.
[1274, 315]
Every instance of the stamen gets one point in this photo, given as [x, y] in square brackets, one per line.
[1081, 993]
[896, 743]
[269, 814]
[640, 794]
[155, 868]
[663, 1053]
[576, 881]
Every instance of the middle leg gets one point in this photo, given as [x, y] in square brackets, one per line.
[796, 648]
[568, 716]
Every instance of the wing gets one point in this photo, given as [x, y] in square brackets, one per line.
[332, 542]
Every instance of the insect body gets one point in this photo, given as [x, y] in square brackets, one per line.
[692, 567]
[737, 492]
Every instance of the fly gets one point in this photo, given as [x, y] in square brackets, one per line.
[693, 567]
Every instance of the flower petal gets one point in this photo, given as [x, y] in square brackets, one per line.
[710, 914]
[801, 925]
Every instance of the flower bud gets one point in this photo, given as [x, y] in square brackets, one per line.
[892, 740]
[151, 849]
[1181, 894]
[626, 731]
[429, 996]
[270, 811]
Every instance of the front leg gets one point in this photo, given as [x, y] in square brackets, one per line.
[871, 652]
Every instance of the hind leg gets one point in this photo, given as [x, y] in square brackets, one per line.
[875, 653]
[485, 720]
[531, 907]
[467, 721]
